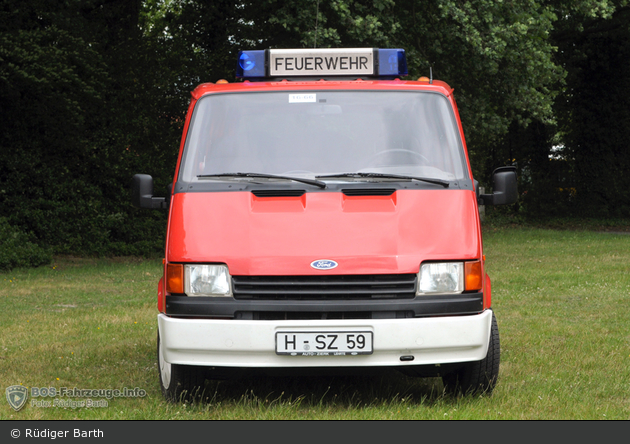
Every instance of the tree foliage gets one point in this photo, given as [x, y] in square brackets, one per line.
[80, 112]
[573, 165]
[593, 112]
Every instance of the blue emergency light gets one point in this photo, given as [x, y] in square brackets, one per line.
[251, 64]
[321, 62]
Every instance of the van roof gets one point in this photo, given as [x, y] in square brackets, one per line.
[346, 84]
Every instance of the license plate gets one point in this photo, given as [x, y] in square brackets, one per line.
[318, 343]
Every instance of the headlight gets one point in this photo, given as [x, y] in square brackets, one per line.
[207, 280]
[442, 277]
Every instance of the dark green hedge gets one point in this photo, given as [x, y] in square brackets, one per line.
[19, 249]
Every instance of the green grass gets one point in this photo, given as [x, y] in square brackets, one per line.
[562, 299]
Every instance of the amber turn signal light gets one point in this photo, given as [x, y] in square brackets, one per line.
[175, 278]
[472, 271]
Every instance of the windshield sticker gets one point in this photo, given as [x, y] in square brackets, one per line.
[302, 98]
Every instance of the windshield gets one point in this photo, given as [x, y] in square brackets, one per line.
[319, 133]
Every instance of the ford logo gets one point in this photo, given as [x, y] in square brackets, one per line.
[323, 264]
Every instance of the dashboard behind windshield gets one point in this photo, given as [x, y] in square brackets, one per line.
[315, 133]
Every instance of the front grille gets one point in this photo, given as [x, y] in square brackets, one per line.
[333, 287]
[311, 316]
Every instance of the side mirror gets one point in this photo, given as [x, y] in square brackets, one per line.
[142, 193]
[504, 189]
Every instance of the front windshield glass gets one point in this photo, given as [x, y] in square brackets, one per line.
[309, 134]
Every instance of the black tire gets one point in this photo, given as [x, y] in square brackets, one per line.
[478, 377]
[179, 383]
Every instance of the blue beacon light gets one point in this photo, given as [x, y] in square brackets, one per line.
[392, 62]
[251, 64]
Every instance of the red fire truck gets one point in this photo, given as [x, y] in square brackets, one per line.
[323, 214]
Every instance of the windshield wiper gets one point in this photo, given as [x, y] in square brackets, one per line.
[317, 183]
[444, 183]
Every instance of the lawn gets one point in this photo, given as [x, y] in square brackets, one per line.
[562, 300]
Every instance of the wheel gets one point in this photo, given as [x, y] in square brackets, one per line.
[179, 382]
[372, 159]
[479, 376]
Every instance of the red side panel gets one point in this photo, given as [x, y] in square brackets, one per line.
[487, 293]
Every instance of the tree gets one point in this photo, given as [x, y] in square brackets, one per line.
[49, 86]
[80, 111]
[593, 111]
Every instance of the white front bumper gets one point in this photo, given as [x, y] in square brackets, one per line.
[237, 343]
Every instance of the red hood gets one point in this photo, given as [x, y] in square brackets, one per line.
[284, 235]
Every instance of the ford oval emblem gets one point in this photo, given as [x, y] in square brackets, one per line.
[323, 264]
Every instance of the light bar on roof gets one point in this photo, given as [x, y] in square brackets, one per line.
[357, 62]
